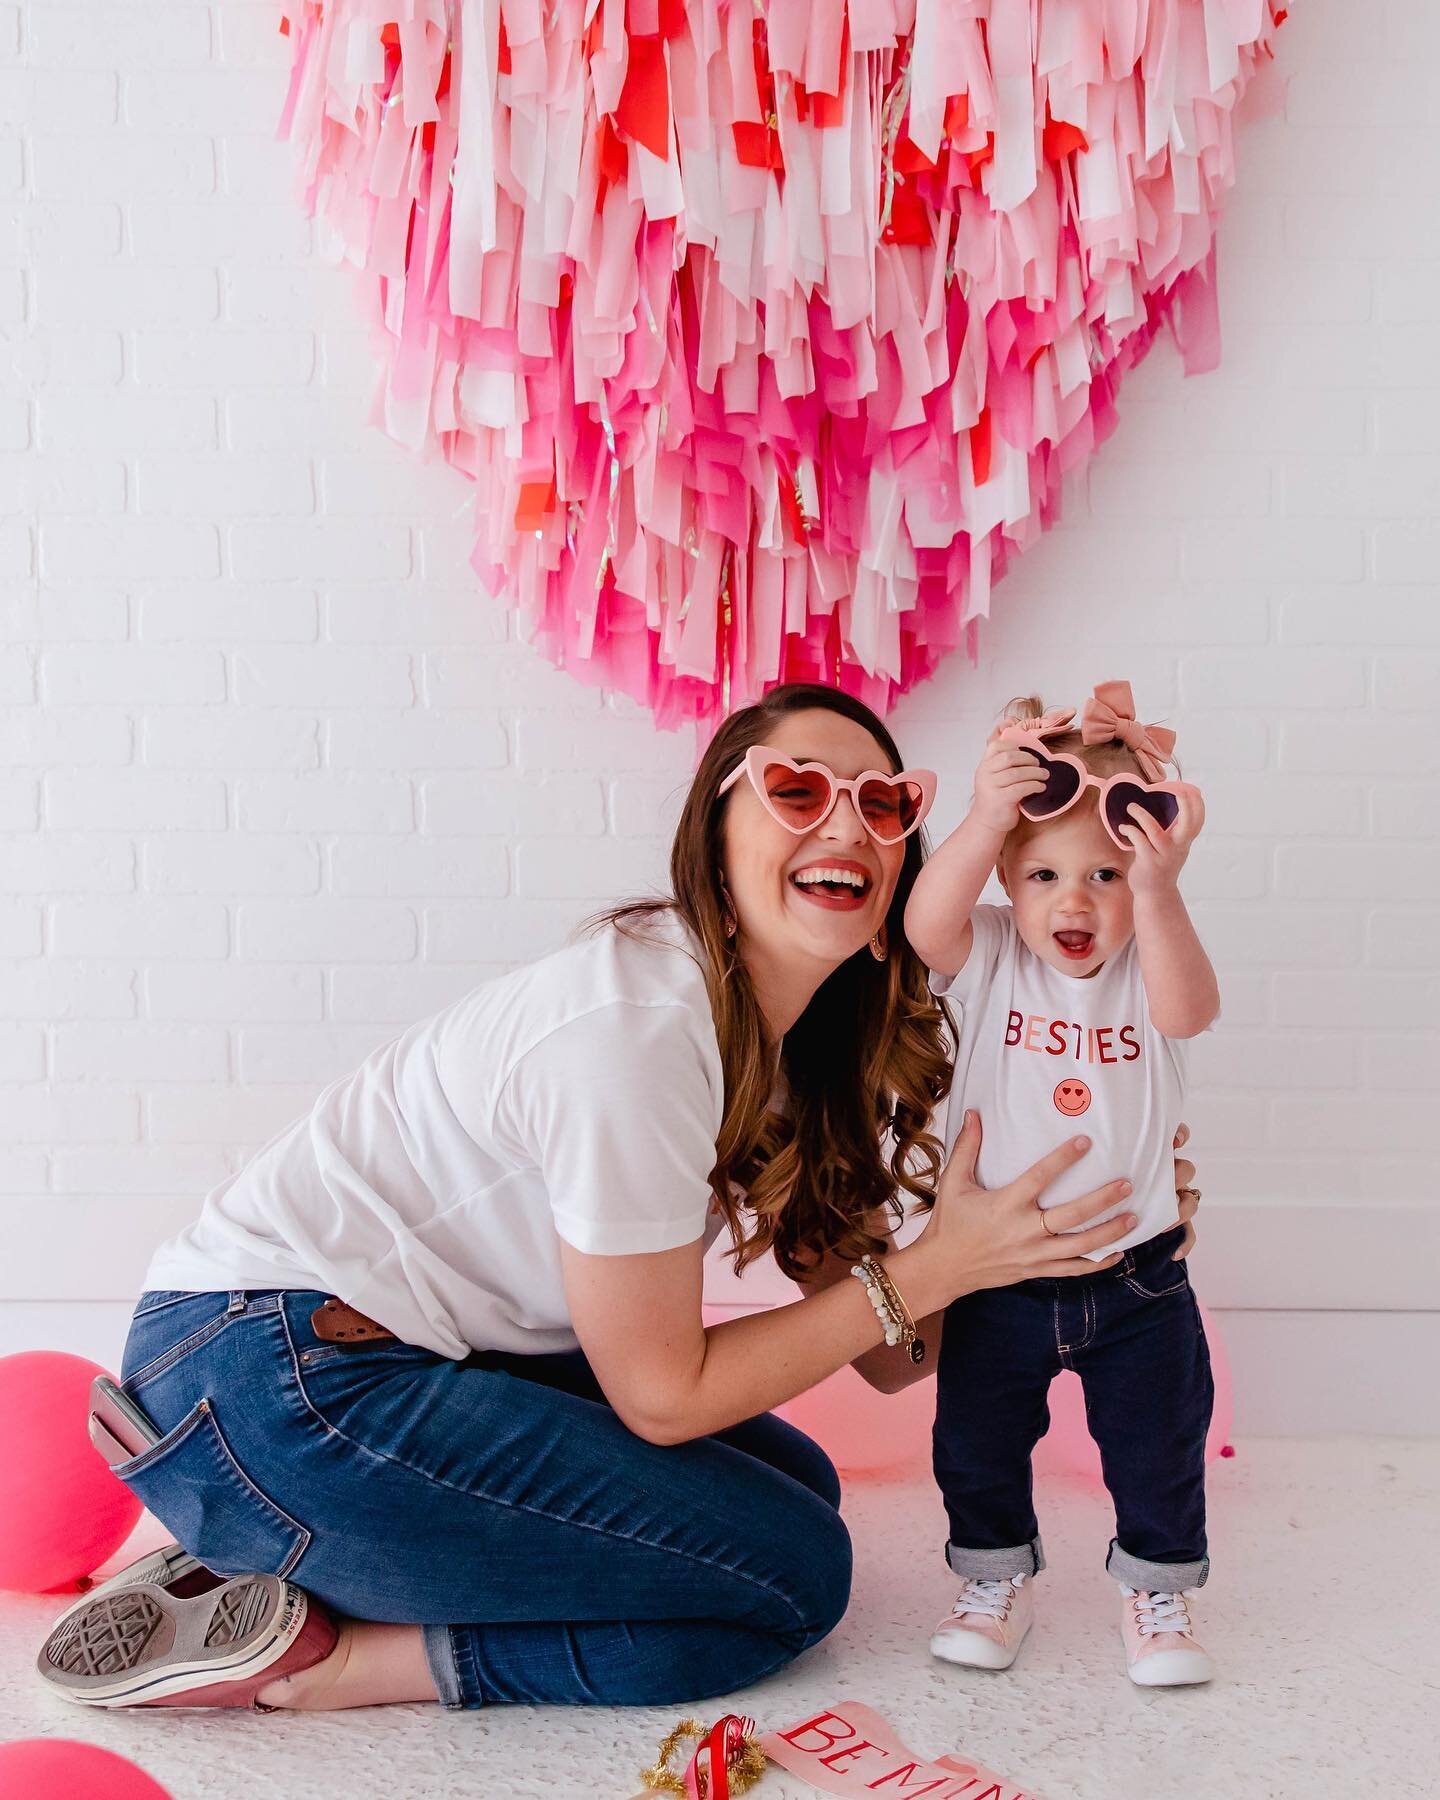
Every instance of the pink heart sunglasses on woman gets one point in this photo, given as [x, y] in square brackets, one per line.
[801, 796]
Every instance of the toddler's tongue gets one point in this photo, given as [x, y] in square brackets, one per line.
[1075, 940]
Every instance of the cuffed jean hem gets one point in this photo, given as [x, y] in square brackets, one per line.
[1155, 1577]
[441, 1654]
[996, 1565]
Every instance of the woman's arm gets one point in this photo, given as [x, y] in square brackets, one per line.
[670, 1379]
[886, 1368]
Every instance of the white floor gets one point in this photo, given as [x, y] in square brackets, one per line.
[1322, 1610]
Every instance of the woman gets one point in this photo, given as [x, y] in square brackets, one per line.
[431, 1369]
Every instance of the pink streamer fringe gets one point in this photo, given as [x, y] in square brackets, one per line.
[767, 334]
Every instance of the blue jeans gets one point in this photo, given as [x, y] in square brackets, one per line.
[1134, 1336]
[549, 1554]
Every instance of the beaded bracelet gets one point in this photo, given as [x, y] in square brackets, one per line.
[909, 1332]
[892, 1312]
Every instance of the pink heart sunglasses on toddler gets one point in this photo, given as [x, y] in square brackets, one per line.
[1108, 715]
[801, 796]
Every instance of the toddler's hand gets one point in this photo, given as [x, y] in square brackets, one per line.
[1007, 775]
[1160, 855]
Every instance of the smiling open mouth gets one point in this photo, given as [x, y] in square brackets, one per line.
[1076, 944]
[834, 887]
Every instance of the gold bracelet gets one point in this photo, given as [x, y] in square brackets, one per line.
[909, 1336]
[891, 1310]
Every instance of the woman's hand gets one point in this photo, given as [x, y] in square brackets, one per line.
[979, 1238]
[1187, 1195]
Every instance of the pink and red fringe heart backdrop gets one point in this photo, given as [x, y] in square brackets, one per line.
[767, 332]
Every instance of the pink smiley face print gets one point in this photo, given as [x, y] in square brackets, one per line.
[1072, 1098]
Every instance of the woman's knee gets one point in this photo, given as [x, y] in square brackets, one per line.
[825, 1574]
[809, 1464]
[776, 1442]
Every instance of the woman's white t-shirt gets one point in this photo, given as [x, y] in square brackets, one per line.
[579, 1097]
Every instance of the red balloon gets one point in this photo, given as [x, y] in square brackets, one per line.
[61, 1769]
[62, 1511]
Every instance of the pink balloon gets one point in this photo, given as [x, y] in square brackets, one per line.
[61, 1769]
[62, 1512]
[1068, 1449]
[863, 1431]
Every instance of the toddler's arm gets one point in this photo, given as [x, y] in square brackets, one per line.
[1180, 986]
[937, 915]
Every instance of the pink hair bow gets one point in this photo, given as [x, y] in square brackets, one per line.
[1047, 725]
[1110, 713]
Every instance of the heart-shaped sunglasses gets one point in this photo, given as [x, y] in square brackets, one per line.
[1067, 778]
[801, 796]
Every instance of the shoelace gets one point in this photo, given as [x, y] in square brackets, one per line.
[1161, 1612]
[992, 1598]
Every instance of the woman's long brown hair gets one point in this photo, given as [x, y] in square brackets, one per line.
[862, 1068]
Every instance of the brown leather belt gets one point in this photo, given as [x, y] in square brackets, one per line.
[338, 1323]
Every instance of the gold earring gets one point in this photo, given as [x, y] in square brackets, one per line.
[732, 924]
[880, 945]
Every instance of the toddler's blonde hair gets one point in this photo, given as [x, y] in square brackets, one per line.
[1109, 758]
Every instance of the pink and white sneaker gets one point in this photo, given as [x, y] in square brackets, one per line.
[987, 1624]
[1160, 1645]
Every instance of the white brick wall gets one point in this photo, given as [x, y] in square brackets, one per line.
[275, 778]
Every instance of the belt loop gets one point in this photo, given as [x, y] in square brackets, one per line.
[237, 1302]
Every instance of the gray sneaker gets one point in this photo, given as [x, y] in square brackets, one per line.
[142, 1644]
[169, 1567]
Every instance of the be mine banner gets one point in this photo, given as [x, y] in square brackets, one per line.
[849, 1749]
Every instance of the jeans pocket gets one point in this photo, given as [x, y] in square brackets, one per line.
[1150, 1269]
[1158, 1284]
[193, 1484]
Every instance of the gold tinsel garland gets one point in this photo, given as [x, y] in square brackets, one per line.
[745, 1767]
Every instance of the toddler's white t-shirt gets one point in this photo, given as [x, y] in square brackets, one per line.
[579, 1097]
[1043, 1056]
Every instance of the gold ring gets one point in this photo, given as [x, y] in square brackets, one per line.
[1041, 1210]
[1187, 1193]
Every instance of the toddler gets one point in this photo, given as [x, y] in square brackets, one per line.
[1077, 1000]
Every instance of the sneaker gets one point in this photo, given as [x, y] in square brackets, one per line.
[142, 1644]
[1160, 1646]
[987, 1624]
[170, 1567]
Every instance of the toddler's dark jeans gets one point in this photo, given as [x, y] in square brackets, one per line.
[1134, 1336]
